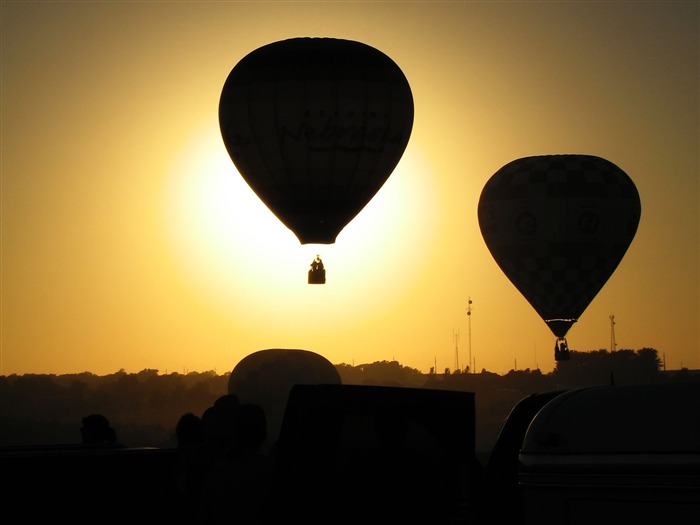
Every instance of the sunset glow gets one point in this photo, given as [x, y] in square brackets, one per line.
[234, 250]
[130, 241]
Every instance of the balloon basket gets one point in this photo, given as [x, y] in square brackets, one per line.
[317, 273]
[561, 350]
[317, 277]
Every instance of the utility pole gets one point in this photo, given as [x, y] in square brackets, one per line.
[613, 344]
[456, 336]
[469, 317]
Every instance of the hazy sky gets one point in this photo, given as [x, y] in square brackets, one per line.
[130, 241]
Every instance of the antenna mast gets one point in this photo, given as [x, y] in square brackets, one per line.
[469, 316]
[613, 344]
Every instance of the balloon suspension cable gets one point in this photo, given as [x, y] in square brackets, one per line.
[561, 349]
[317, 272]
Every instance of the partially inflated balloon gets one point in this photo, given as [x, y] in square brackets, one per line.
[316, 126]
[558, 226]
[265, 378]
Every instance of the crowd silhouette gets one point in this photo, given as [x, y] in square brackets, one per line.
[237, 483]
[222, 473]
[367, 463]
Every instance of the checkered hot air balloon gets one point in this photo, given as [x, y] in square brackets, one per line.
[558, 227]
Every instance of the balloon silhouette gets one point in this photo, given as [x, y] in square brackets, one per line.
[558, 227]
[316, 126]
[265, 378]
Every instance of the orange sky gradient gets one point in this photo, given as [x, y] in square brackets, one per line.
[129, 241]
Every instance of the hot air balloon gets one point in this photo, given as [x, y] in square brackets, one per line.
[558, 227]
[316, 126]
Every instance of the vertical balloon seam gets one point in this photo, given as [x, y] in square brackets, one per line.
[339, 77]
[364, 148]
[387, 88]
[269, 185]
[276, 178]
[357, 164]
[275, 125]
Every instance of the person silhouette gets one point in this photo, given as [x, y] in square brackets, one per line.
[561, 350]
[96, 430]
[219, 422]
[196, 460]
[317, 273]
[189, 436]
[238, 485]
[189, 430]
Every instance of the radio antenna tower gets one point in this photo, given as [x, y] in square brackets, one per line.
[613, 343]
[469, 317]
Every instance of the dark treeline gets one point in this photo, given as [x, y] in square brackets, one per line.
[38, 409]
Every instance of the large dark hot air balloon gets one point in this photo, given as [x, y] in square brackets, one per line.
[558, 226]
[316, 126]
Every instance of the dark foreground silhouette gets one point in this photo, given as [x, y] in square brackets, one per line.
[369, 454]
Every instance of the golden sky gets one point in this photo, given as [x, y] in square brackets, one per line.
[129, 240]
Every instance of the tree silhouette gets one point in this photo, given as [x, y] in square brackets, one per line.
[144, 407]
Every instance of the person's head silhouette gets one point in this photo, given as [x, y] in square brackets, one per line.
[189, 430]
[96, 430]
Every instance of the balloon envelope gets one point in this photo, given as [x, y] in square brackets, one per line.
[316, 126]
[265, 378]
[558, 226]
